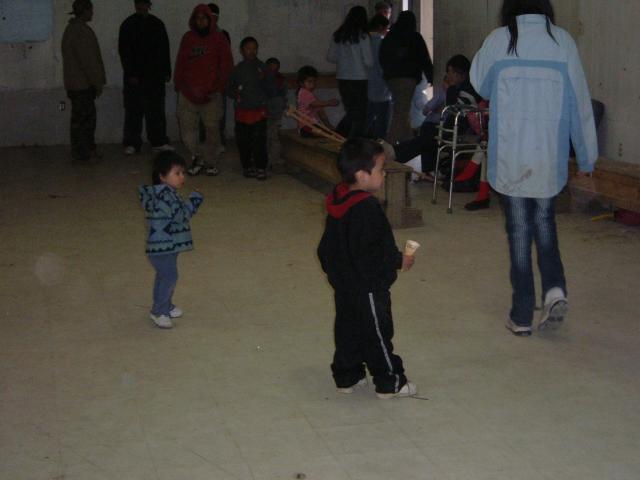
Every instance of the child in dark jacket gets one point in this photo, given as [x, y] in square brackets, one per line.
[249, 85]
[169, 231]
[359, 255]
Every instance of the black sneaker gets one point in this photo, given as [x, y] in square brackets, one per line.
[478, 205]
[261, 174]
[249, 173]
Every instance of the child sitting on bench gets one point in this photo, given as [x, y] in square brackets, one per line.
[308, 103]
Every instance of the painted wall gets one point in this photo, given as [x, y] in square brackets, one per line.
[606, 38]
[295, 31]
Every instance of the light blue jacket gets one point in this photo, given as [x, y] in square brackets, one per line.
[353, 59]
[539, 101]
[168, 218]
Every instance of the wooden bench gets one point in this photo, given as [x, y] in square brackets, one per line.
[613, 182]
[318, 156]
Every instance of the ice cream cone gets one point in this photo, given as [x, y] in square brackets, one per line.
[410, 248]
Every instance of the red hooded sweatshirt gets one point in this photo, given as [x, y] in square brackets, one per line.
[204, 62]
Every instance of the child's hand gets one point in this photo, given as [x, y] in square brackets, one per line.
[407, 262]
[333, 102]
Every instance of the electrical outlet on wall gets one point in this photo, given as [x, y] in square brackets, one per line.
[62, 106]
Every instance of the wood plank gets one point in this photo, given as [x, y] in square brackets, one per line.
[318, 156]
[614, 182]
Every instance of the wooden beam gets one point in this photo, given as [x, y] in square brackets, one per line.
[614, 182]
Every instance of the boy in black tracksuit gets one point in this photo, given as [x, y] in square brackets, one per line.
[359, 255]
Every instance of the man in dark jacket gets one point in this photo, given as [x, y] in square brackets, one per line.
[361, 260]
[84, 79]
[144, 52]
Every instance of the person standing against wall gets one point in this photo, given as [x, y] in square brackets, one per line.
[84, 79]
[143, 45]
[350, 49]
[202, 69]
[405, 59]
[531, 72]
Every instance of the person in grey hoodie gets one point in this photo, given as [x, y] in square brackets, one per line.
[84, 79]
[350, 49]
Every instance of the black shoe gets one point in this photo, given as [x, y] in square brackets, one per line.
[478, 205]
[261, 174]
[249, 173]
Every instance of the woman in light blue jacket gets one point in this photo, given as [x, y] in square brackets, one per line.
[531, 72]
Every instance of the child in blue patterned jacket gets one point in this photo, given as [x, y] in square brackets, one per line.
[169, 231]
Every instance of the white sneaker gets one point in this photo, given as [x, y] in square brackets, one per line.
[164, 148]
[129, 150]
[161, 321]
[555, 309]
[408, 390]
[175, 313]
[348, 390]
[518, 330]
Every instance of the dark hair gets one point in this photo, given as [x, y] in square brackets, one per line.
[272, 60]
[512, 8]
[215, 9]
[460, 64]
[382, 6]
[163, 163]
[246, 40]
[306, 72]
[406, 23]
[378, 22]
[355, 155]
[81, 6]
[354, 26]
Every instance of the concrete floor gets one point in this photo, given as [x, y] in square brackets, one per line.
[241, 388]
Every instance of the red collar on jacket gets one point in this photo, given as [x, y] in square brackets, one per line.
[342, 199]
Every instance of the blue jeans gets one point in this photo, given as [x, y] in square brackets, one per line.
[166, 267]
[530, 219]
[378, 119]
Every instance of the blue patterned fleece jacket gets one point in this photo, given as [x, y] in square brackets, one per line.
[168, 218]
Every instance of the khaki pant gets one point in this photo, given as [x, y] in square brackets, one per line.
[189, 116]
[402, 90]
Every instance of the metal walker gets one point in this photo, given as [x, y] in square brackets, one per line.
[459, 143]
